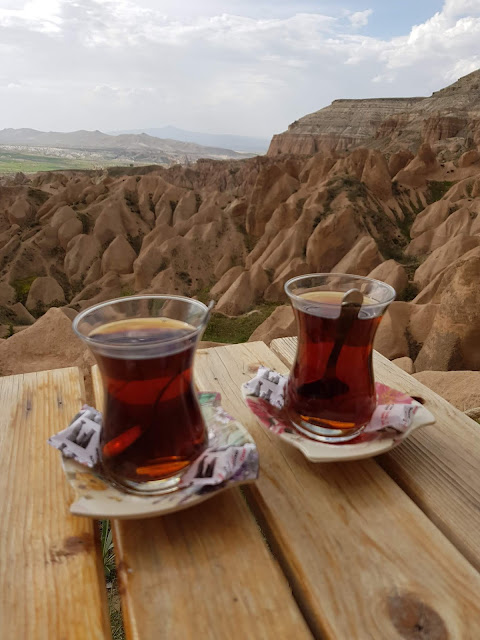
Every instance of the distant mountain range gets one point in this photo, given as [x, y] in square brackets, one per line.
[238, 143]
[124, 148]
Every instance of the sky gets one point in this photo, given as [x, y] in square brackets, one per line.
[246, 67]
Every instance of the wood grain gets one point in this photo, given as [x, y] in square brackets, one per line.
[51, 577]
[202, 573]
[362, 558]
[439, 466]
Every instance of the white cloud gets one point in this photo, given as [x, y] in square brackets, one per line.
[125, 64]
[455, 8]
[462, 68]
[36, 15]
[360, 18]
[444, 47]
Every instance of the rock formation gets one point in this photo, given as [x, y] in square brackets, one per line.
[280, 324]
[393, 274]
[48, 344]
[454, 339]
[449, 120]
[342, 125]
[461, 388]
[45, 292]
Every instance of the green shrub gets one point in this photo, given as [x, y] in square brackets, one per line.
[162, 266]
[270, 273]
[108, 556]
[41, 308]
[85, 220]
[204, 294]
[131, 199]
[185, 277]
[135, 242]
[409, 293]
[7, 316]
[234, 330]
[436, 190]
[396, 188]
[249, 241]
[22, 288]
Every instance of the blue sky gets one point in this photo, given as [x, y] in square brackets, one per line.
[249, 67]
[394, 18]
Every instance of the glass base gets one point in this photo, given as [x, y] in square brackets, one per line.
[152, 488]
[157, 487]
[325, 434]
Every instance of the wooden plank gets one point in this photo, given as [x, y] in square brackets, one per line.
[439, 465]
[202, 573]
[362, 558]
[52, 582]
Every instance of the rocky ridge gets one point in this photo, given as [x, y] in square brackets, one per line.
[449, 121]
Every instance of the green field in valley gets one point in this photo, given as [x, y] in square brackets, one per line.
[12, 162]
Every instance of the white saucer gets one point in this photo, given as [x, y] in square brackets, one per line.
[360, 448]
[95, 497]
[324, 452]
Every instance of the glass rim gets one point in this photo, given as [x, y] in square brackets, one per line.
[151, 343]
[346, 276]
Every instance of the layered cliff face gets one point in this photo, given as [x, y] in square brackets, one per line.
[449, 120]
[343, 125]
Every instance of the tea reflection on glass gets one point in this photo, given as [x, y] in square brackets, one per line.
[331, 391]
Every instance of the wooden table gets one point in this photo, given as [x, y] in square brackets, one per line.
[385, 548]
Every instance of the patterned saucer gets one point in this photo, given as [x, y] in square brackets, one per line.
[95, 497]
[372, 442]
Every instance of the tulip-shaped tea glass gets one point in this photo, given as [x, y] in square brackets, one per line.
[331, 392]
[152, 424]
